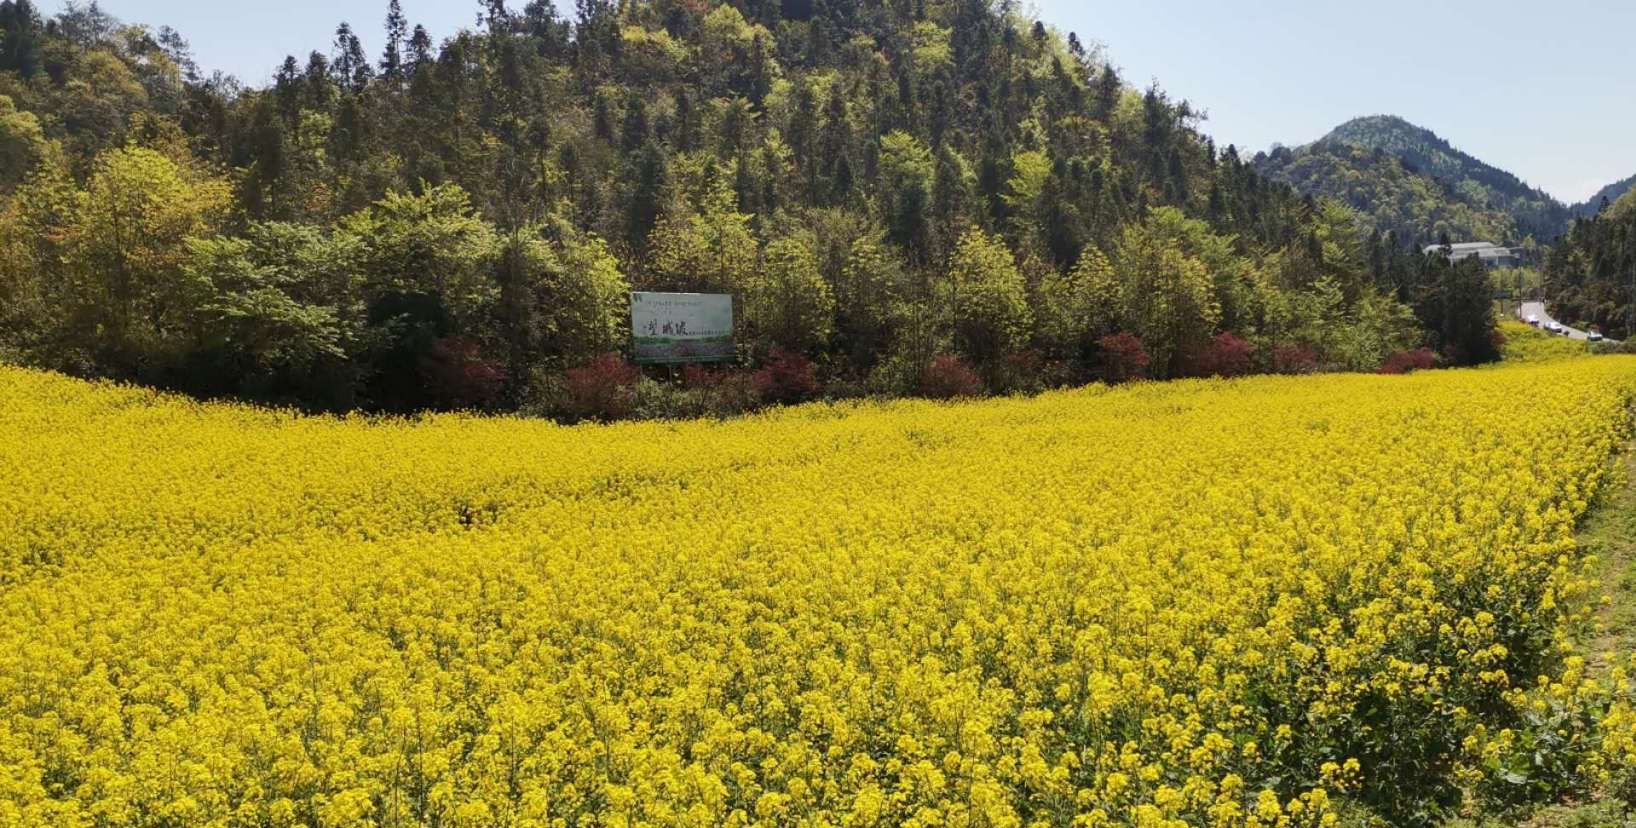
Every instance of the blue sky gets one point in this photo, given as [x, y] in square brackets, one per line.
[1547, 91]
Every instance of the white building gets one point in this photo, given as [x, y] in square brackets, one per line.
[1490, 254]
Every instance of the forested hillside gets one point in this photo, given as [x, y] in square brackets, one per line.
[1387, 194]
[1605, 197]
[909, 196]
[1405, 179]
[1590, 277]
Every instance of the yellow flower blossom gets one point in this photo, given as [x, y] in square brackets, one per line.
[1158, 605]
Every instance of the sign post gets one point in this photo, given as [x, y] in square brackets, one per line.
[675, 328]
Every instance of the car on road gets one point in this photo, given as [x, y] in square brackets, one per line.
[1593, 336]
[1532, 320]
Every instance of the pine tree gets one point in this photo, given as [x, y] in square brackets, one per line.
[685, 136]
[19, 37]
[803, 139]
[763, 70]
[835, 145]
[495, 16]
[541, 23]
[350, 67]
[420, 50]
[647, 197]
[397, 31]
[634, 133]
[318, 93]
[287, 90]
[1108, 90]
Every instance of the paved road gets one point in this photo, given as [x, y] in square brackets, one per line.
[1538, 309]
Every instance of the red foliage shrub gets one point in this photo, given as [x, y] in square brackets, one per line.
[701, 377]
[1226, 356]
[787, 378]
[1023, 371]
[1406, 362]
[947, 378]
[1026, 362]
[457, 375]
[602, 388]
[1294, 359]
[1124, 358]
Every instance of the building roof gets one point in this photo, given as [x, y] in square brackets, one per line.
[1485, 249]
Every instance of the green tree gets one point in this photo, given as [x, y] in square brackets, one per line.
[710, 249]
[907, 169]
[988, 298]
[867, 293]
[425, 270]
[98, 100]
[282, 300]
[1029, 173]
[1068, 315]
[584, 298]
[430, 245]
[125, 249]
[1460, 311]
[1376, 327]
[790, 305]
[20, 36]
[397, 36]
[21, 143]
[1161, 291]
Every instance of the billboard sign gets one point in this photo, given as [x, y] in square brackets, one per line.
[682, 327]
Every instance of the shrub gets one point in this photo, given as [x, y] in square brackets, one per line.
[602, 389]
[1124, 358]
[1021, 372]
[1226, 356]
[1525, 344]
[1295, 359]
[1405, 362]
[947, 378]
[899, 374]
[786, 379]
[698, 377]
[457, 375]
[720, 392]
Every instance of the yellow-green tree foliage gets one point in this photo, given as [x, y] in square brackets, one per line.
[586, 297]
[867, 296]
[1161, 286]
[124, 248]
[709, 249]
[1030, 171]
[988, 298]
[431, 244]
[789, 304]
[21, 143]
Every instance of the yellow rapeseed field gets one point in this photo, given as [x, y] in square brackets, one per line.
[1205, 603]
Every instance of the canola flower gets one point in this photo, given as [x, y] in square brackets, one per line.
[1203, 603]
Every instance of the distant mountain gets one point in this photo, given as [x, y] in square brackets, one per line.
[1611, 193]
[1405, 178]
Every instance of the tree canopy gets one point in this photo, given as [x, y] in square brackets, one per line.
[878, 185]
